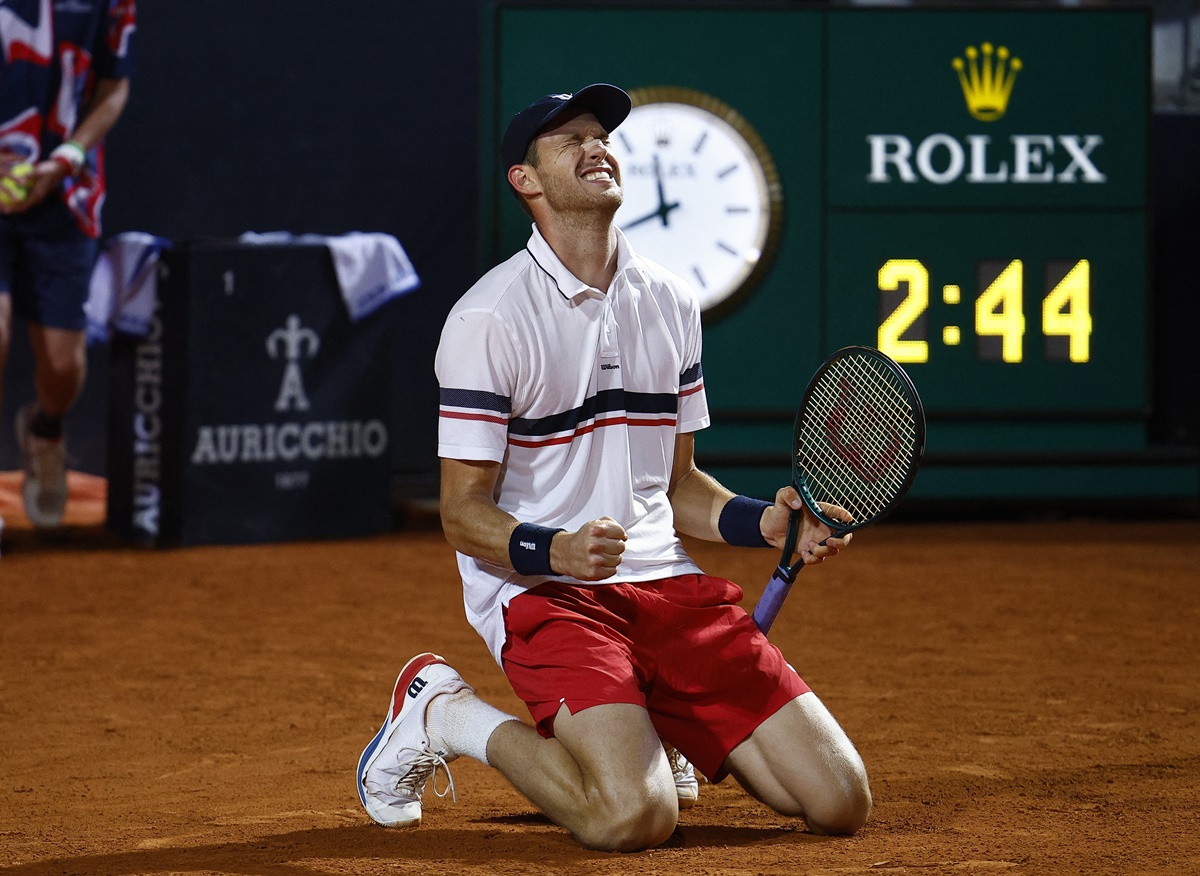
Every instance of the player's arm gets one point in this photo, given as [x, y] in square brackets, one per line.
[474, 525]
[698, 500]
[95, 121]
[696, 497]
[101, 112]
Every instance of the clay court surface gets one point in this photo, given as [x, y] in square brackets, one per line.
[1026, 697]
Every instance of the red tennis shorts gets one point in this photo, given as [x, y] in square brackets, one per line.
[682, 648]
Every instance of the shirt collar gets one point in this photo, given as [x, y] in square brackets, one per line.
[570, 286]
[628, 261]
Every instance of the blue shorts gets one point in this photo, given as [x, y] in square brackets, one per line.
[47, 268]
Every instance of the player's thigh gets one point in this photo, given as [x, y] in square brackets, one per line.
[628, 800]
[618, 751]
[801, 762]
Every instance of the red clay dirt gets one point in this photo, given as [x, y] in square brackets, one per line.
[1026, 697]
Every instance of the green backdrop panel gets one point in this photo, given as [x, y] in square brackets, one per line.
[902, 133]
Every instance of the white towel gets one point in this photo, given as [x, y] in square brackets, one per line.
[124, 286]
[371, 267]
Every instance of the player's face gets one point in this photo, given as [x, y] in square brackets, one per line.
[575, 167]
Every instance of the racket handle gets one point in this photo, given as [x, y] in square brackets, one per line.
[771, 601]
[781, 582]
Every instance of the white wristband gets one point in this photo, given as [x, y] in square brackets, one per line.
[71, 154]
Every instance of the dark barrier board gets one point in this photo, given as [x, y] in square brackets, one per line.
[254, 411]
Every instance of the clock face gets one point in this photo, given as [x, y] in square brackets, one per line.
[702, 195]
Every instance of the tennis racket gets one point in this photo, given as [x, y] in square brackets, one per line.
[857, 444]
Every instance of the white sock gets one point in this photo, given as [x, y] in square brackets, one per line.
[462, 724]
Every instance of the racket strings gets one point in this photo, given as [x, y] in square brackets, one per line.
[858, 448]
[858, 439]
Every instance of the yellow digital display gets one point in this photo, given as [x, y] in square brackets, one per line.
[999, 321]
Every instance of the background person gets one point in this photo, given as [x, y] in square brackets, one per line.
[63, 85]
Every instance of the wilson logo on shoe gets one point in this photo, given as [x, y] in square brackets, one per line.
[417, 686]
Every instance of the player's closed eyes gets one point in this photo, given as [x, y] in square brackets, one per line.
[584, 142]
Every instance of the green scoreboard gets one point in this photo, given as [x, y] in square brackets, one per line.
[963, 188]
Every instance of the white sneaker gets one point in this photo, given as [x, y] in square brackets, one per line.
[395, 766]
[687, 788]
[44, 487]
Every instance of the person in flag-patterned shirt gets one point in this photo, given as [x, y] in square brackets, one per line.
[64, 82]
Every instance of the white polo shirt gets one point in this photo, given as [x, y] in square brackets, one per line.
[579, 395]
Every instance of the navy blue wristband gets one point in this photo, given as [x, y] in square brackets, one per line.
[740, 519]
[529, 549]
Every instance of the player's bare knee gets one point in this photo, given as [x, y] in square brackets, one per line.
[61, 370]
[844, 809]
[631, 827]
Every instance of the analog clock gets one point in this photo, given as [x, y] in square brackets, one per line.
[702, 195]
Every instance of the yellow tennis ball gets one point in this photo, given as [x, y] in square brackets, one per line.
[12, 187]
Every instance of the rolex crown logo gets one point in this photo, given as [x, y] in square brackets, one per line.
[987, 78]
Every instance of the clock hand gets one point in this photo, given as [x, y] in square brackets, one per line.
[664, 208]
[659, 213]
[662, 198]
[665, 211]
[651, 215]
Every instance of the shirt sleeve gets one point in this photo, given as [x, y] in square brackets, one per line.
[114, 58]
[693, 403]
[477, 368]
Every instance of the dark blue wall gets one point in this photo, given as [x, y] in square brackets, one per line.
[1175, 193]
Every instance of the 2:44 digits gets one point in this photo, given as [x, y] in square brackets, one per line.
[999, 315]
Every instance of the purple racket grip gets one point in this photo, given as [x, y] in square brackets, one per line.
[772, 599]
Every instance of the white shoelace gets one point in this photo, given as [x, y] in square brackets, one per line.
[677, 762]
[427, 763]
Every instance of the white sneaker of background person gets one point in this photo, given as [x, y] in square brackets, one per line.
[44, 488]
